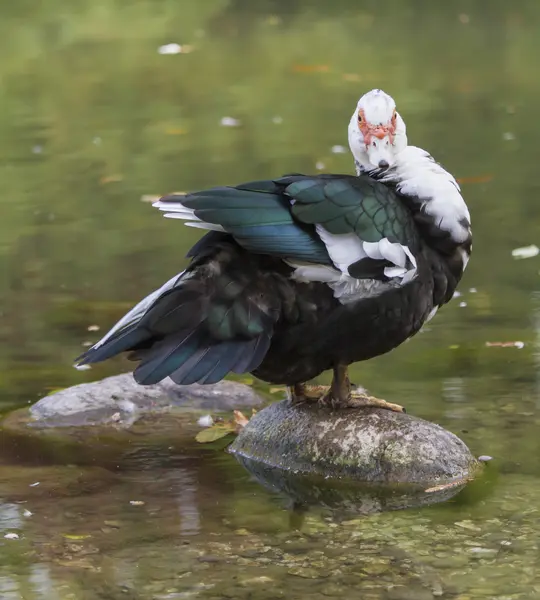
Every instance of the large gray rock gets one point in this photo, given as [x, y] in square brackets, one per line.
[120, 401]
[368, 445]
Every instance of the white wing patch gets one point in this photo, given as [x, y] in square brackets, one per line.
[418, 176]
[346, 249]
[176, 210]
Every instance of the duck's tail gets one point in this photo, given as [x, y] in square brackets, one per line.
[213, 319]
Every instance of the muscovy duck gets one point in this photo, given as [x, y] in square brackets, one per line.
[305, 273]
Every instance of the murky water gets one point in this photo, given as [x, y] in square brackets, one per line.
[94, 121]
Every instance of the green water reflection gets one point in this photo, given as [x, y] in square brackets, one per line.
[93, 119]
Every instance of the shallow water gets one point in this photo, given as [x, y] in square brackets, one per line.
[95, 121]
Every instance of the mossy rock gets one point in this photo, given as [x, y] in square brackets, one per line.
[369, 445]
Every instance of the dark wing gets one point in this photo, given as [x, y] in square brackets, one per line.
[280, 217]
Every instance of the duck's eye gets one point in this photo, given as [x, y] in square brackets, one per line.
[360, 119]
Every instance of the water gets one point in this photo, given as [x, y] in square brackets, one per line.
[94, 120]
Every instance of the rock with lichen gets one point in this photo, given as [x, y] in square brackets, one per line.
[371, 445]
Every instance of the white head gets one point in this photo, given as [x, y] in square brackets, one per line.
[376, 132]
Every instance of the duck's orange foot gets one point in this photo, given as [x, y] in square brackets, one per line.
[361, 400]
[324, 397]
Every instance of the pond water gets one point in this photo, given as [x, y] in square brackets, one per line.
[95, 121]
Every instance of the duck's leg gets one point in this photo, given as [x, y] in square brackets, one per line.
[340, 394]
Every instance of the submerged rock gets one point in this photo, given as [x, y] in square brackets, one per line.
[371, 445]
[120, 401]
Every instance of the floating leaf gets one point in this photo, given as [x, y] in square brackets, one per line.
[240, 419]
[311, 68]
[110, 179]
[478, 179]
[277, 390]
[72, 536]
[211, 434]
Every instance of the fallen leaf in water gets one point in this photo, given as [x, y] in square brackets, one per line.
[240, 419]
[111, 179]
[311, 68]
[477, 179]
[518, 344]
[526, 252]
[72, 536]
[216, 432]
[34, 484]
[137, 502]
[277, 390]
[93, 328]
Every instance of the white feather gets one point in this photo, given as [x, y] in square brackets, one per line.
[313, 272]
[138, 311]
[347, 248]
[343, 248]
[170, 206]
[176, 210]
[418, 176]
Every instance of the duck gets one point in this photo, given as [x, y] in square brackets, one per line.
[302, 274]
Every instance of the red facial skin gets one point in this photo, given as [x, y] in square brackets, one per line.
[370, 131]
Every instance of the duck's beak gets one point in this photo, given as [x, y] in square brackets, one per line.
[380, 150]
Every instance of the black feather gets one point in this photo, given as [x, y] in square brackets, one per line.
[120, 342]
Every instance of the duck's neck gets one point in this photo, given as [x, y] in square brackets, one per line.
[434, 195]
